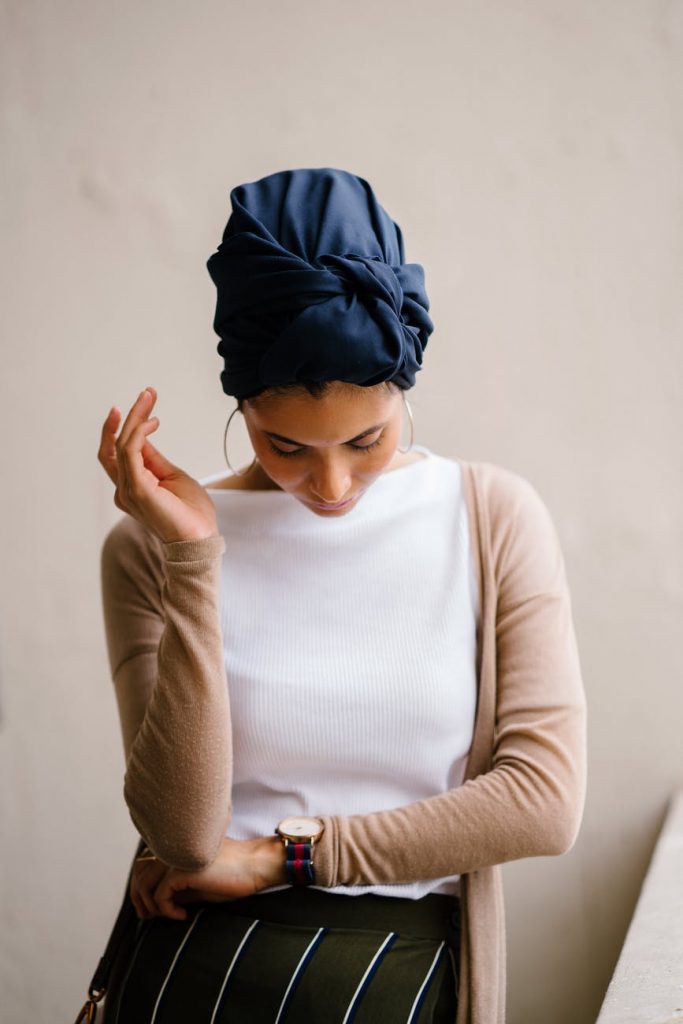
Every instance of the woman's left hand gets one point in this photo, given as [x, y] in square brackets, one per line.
[242, 867]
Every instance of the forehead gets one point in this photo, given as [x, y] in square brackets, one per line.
[338, 416]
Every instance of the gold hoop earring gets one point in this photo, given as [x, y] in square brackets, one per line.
[225, 448]
[410, 414]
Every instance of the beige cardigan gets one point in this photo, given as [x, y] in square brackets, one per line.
[524, 790]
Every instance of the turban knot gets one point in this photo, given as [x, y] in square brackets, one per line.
[312, 285]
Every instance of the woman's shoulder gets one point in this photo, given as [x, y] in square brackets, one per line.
[521, 537]
[499, 485]
[507, 503]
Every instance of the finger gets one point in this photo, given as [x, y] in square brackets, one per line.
[138, 412]
[133, 464]
[149, 909]
[139, 907]
[147, 883]
[145, 897]
[155, 461]
[164, 893]
[106, 453]
[135, 896]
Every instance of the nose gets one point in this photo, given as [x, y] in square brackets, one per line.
[331, 482]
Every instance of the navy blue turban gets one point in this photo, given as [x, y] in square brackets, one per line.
[312, 285]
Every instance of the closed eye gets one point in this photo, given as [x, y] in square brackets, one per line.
[357, 447]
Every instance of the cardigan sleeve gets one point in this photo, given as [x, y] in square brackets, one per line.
[530, 802]
[161, 608]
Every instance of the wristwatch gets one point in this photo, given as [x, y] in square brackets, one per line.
[300, 834]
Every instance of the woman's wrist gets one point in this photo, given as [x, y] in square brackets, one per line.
[269, 861]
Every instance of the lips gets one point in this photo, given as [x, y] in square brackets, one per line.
[332, 508]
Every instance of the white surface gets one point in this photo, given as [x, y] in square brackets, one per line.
[647, 985]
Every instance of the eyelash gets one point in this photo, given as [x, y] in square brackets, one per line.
[357, 447]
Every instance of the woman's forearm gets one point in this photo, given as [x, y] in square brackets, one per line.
[178, 776]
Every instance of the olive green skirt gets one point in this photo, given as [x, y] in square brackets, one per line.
[295, 954]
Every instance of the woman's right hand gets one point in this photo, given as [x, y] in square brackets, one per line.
[150, 488]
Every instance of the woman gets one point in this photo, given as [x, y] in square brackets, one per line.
[347, 675]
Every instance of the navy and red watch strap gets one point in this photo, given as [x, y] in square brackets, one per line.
[299, 866]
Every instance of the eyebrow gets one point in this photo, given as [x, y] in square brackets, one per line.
[358, 437]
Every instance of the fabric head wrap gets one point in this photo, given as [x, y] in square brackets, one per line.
[312, 286]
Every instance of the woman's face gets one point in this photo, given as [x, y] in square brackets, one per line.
[326, 451]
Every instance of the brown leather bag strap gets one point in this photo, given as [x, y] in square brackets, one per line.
[124, 921]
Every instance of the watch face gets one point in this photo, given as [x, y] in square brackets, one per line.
[300, 828]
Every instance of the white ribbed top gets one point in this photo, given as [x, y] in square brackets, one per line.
[350, 646]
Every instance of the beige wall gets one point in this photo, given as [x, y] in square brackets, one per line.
[532, 154]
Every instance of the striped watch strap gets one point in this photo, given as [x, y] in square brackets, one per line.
[299, 866]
